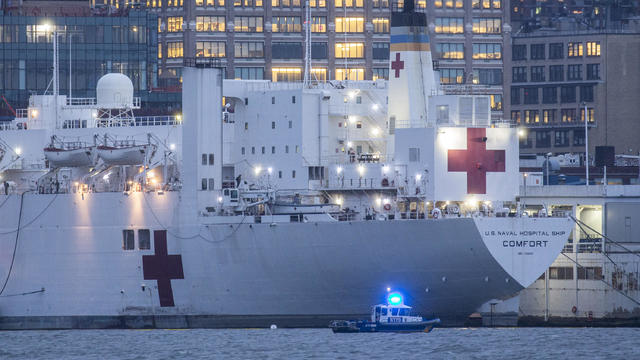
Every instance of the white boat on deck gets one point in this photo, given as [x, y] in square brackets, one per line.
[70, 155]
[123, 155]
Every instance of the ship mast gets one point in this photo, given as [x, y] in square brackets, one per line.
[306, 83]
[56, 77]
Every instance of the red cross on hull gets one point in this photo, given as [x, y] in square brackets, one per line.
[476, 161]
[163, 268]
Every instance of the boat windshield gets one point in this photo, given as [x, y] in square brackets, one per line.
[404, 312]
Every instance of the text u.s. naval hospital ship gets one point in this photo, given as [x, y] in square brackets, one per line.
[292, 204]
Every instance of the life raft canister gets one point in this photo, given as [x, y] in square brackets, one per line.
[574, 309]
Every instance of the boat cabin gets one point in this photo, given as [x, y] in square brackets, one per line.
[393, 314]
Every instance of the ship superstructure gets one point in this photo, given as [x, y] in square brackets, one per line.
[264, 202]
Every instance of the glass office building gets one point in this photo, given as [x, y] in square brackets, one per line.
[89, 47]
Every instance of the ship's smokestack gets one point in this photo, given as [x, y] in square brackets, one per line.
[411, 76]
[408, 6]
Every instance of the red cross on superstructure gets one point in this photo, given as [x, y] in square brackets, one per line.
[397, 65]
[162, 267]
[476, 161]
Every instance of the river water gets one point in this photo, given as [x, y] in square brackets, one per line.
[482, 343]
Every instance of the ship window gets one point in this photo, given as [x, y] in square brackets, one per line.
[404, 312]
[443, 114]
[293, 174]
[286, 149]
[273, 124]
[293, 99]
[246, 126]
[561, 273]
[204, 159]
[144, 239]
[394, 312]
[211, 183]
[590, 273]
[263, 150]
[414, 154]
[210, 159]
[273, 99]
[290, 124]
[279, 174]
[253, 150]
[243, 150]
[384, 311]
[246, 101]
[128, 240]
[297, 149]
[204, 184]
[273, 149]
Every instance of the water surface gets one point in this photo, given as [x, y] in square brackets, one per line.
[482, 343]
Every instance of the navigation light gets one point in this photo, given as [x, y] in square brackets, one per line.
[395, 298]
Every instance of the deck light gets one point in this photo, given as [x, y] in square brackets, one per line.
[339, 170]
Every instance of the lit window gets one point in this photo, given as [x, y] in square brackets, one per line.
[350, 3]
[449, 25]
[248, 24]
[487, 25]
[174, 49]
[286, 74]
[174, 24]
[380, 25]
[575, 49]
[350, 74]
[593, 48]
[318, 24]
[349, 50]
[210, 49]
[210, 23]
[286, 24]
[350, 24]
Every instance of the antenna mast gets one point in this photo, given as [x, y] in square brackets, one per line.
[307, 51]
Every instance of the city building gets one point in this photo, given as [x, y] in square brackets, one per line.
[89, 47]
[265, 39]
[532, 14]
[552, 76]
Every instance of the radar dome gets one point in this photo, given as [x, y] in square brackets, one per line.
[114, 90]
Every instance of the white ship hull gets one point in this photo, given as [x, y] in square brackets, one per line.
[66, 268]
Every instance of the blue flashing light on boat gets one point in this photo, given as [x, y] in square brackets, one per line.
[395, 298]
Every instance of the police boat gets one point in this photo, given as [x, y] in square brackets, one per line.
[395, 316]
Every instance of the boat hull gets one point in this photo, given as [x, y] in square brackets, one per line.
[133, 155]
[70, 158]
[353, 326]
[67, 268]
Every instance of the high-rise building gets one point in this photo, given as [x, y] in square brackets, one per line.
[265, 39]
[554, 78]
[89, 47]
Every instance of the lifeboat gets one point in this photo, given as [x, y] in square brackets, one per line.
[70, 156]
[123, 155]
